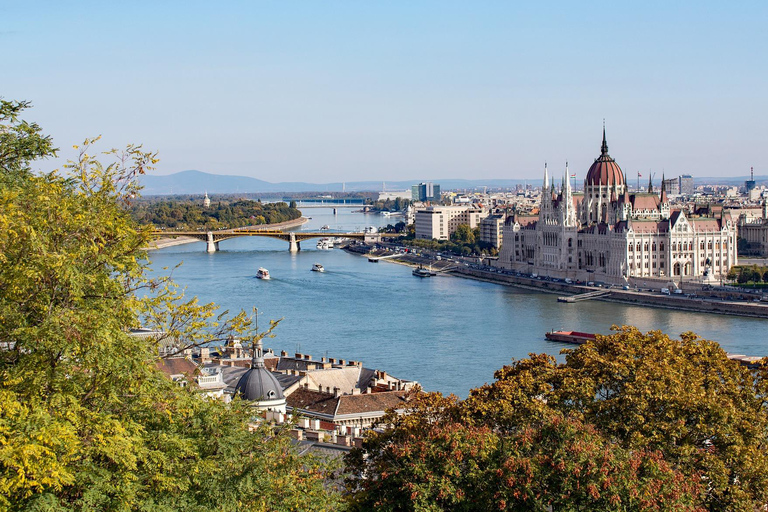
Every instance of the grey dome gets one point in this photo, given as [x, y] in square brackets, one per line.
[258, 384]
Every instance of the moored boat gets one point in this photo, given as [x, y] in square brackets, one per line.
[423, 272]
[262, 273]
[574, 337]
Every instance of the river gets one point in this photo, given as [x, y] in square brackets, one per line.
[448, 333]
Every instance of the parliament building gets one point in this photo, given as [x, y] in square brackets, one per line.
[608, 234]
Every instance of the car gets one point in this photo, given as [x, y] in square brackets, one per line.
[665, 291]
[625, 287]
[568, 280]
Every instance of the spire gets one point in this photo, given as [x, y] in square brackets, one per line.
[546, 178]
[650, 183]
[664, 198]
[257, 360]
[604, 147]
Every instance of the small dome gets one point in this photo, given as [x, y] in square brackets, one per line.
[605, 171]
[258, 384]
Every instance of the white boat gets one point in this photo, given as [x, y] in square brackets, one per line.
[325, 244]
[262, 273]
[325, 227]
[318, 268]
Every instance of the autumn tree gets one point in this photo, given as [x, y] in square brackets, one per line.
[631, 421]
[87, 422]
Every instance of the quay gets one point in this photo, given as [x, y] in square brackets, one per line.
[584, 296]
[722, 302]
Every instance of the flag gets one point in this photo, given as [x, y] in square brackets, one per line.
[573, 175]
[639, 175]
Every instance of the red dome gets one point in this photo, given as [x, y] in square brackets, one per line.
[605, 171]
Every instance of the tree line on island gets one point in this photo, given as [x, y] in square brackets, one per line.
[633, 421]
[221, 214]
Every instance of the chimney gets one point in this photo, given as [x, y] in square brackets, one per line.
[336, 392]
[299, 355]
[322, 359]
[283, 354]
[308, 357]
[341, 362]
[332, 360]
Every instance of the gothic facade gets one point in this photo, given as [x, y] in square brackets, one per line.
[607, 234]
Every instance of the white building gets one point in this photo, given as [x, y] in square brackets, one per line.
[491, 229]
[610, 235]
[440, 222]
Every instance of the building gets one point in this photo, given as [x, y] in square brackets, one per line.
[754, 233]
[685, 185]
[259, 386]
[491, 229]
[440, 222]
[608, 234]
[672, 186]
[425, 192]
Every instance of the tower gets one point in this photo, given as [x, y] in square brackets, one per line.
[206, 200]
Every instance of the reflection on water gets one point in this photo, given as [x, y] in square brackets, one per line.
[449, 333]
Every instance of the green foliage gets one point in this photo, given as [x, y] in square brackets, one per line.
[87, 421]
[221, 215]
[630, 421]
[744, 274]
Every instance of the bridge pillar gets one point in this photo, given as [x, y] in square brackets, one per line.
[212, 246]
[293, 244]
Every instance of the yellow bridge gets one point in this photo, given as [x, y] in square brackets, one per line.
[293, 238]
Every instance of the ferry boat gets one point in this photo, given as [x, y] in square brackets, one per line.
[573, 337]
[318, 268]
[262, 273]
[423, 272]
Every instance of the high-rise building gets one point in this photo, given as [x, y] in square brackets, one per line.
[425, 192]
[686, 184]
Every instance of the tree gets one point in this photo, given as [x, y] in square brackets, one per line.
[676, 417]
[463, 235]
[87, 422]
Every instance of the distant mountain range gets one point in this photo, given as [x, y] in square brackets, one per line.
[197, 182]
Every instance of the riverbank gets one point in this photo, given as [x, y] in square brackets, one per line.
[639, 298]
[162, 243]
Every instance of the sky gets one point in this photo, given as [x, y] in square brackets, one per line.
[398, 90]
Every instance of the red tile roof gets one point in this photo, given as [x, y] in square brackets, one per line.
[315, 401]
[177, 366]
[371, 402]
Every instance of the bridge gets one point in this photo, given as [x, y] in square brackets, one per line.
[294, 238]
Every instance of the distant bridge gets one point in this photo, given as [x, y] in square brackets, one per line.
[294, 238]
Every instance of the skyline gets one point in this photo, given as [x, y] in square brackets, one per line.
[349, 92]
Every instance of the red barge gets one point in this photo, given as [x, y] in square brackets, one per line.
[574, 337]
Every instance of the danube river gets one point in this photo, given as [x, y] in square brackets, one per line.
[446, 332]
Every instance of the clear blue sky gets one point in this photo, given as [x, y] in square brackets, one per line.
[345, 91]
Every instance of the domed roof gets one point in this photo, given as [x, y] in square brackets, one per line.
[605, 171]
[258, 384]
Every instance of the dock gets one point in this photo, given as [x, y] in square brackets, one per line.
[584, 296]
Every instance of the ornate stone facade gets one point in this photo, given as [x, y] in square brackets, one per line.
[608, 234]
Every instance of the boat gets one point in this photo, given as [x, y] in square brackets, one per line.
[373, 260]
[262, 273]
[325, 244]
[573, 337]
[423, 272]
[318, 268]
[325, 227]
